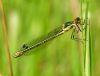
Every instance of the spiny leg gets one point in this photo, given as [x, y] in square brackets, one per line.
[74, 33]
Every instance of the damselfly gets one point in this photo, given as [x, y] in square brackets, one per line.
[75, 24]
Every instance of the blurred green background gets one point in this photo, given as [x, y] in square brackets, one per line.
[30, 19]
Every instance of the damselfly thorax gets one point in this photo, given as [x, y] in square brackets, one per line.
[75, 24]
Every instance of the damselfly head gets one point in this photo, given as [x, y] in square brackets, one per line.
[77, 20]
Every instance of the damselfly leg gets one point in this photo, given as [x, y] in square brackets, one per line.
[78, 28]
[74, 35]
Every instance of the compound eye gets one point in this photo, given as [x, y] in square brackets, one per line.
[25, 46]
[78, 19]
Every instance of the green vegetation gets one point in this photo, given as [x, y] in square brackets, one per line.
[30, 19]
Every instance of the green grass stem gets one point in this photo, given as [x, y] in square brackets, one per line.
[86, 57]
[4, 28]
